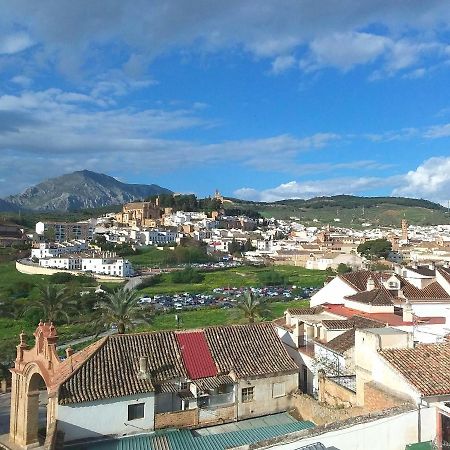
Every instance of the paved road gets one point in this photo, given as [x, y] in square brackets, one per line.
[5, 404]
[85, 339]
[5, 400]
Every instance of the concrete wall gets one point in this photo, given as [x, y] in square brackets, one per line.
[333, 292]
[38, 270]
[104, 417]
[392, 432]
[370, 366]
[431, 309]
[263, 401]
[368, 308]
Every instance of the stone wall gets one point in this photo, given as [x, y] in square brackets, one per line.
[307, 408]
[192, 418]
[334, 394]
[216, 416]
[179, 419]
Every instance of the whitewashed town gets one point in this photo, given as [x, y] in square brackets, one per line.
[224, 225]
[366, 349]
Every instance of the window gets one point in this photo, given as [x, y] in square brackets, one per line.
[222, 389]
[247, 394]
[278, 390]
[184, 385]
[136, 411]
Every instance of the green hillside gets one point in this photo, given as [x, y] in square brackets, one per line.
[352, 211]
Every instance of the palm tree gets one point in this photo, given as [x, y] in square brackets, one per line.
[121, 309]
[252, 308]
[54, 303]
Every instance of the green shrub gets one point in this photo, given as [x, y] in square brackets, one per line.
[187, 275]
[272, 278]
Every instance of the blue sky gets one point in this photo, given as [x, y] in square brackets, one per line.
[262, 100]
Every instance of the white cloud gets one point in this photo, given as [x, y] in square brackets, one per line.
[431, 180]
[22, 80]
[312, 188]
[282, 63]
[73, 126]
[70, 33]
[438, 131]
[345, 50]
[14, 43]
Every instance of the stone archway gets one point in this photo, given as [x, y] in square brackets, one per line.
[33, 371]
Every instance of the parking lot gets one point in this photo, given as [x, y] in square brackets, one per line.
[225, 297]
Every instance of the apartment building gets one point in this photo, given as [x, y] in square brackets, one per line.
[66, 231]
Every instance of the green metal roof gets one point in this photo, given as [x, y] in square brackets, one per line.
[185, 439]
[420, 446]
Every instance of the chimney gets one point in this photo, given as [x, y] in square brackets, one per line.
[431, 265]
[370, 284]
[143, 368]
[69, 352]
[408, 313]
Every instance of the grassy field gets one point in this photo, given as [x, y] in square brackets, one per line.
[10, 278]
[152, 257]
[244, 276]
[213, 316]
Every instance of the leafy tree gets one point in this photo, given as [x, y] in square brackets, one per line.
[54, 303]
[343, 268]
[234, 247]
[252, 308]
[121, 309]
[377, 248]
[248, 247]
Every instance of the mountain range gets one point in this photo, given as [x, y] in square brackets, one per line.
[79, 190]
[85, 189]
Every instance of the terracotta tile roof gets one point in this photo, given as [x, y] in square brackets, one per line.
[391, 319]
[196, 354]
[352, 322]
[305, 311]
[112, 370]
[366, 322]
[358, 279]
[109, 368]
[213, 382]
[74, 362]
[248, 350]
[435, 291]
[342, 343]
[376, 297]
[426, 367]
[445, 272]
[346, 340]
[343, 324]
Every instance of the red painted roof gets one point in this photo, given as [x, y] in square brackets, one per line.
[389, 318]
[196, 355]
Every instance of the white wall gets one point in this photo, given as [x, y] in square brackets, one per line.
[333, 292]
[104, 417]
[389, 433]
[264, 402]
[431, 309]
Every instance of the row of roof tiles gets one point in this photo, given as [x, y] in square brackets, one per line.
[109, 368]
